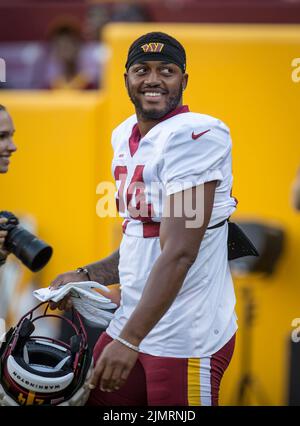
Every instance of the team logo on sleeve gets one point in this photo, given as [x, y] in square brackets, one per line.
[196, 136]
[152, 47]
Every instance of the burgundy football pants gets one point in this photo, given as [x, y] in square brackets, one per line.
[156, 380]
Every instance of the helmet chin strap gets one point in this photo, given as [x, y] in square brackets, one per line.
[26, 329]
[58, 366]
[25, 354]
[61, 363]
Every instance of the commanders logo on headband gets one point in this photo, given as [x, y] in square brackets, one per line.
[152, 47]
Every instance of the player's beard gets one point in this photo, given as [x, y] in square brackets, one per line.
[154, 114]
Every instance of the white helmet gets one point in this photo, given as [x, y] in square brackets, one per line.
[36, 370]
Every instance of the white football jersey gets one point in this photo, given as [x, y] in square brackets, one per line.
[182, 151]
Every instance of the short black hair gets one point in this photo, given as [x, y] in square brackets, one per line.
[2, 108]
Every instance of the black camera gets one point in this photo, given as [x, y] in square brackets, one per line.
[34, 253]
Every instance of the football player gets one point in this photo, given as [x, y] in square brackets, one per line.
[172, 336]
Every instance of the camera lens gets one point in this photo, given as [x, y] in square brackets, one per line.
[33, 252]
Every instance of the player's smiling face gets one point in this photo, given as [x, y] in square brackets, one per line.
[7, 146]
[155, 88]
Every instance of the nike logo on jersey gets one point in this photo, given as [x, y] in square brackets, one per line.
[194, 136]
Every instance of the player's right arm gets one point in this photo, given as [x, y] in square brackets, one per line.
[104, 271]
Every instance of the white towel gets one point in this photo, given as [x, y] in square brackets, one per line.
[88, 302]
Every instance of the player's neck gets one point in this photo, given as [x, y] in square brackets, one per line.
[146, 125]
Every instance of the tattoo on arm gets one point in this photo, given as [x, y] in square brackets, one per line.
[106, 270]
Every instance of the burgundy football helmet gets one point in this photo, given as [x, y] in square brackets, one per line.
[36, 370]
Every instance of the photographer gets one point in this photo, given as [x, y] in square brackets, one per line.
[7, 148]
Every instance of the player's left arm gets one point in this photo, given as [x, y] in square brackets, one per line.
[180, 246]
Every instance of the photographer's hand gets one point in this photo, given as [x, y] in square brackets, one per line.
[3, 234]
